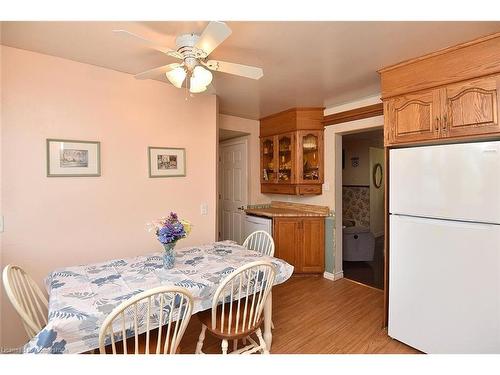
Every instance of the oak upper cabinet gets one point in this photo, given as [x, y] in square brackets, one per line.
[448, 95]
[295, 166]
[300, 242]
[413, 117]
[286, 159]
[471, 108]
[268, 163]
[310, 160]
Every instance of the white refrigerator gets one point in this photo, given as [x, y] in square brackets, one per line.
[444, 238]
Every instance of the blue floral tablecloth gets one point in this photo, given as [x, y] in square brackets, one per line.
[81, 297]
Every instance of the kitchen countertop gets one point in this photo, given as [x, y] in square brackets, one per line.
[287, 209]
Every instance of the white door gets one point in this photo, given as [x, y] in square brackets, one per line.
[233, 188]
[444, 286]
[459, 181]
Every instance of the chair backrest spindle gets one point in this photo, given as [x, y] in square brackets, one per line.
[152, 309]
[26, 298]
[260, 241]
[244, 292]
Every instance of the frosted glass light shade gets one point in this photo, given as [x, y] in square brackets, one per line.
[176, 76]
[196, 88]
[202, 76]
[200, 79]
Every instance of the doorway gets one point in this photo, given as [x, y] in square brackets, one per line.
[233, 184]
[363, 207]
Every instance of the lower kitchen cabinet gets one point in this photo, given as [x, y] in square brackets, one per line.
[300, 241]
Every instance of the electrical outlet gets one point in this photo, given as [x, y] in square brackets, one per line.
[204, 208]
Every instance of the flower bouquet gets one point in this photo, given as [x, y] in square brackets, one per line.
[168, 231]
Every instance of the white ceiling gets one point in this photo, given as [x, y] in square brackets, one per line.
[305, 63]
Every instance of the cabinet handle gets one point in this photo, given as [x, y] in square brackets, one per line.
[445, 122]
[437, 123]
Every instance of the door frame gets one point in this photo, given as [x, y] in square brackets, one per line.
[339, 130]
[230, 142]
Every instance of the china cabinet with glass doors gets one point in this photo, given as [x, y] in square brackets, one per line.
[291, 152]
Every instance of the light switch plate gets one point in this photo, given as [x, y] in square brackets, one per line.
[326, 186]
[204, 208]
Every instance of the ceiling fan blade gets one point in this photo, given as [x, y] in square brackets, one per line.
[156, 72]
[236, 69]
[213, 35]
[149, 43]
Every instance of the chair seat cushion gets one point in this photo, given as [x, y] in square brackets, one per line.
[205, 318]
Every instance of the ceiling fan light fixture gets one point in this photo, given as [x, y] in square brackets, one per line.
[176, 76]
[202, 76]
[200, 79]
[194, 89]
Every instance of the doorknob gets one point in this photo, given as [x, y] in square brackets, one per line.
[241, 208]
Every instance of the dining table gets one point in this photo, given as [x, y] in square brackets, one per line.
[81, 297]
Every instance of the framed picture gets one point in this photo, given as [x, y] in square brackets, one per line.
[70, 158]
[167, 162]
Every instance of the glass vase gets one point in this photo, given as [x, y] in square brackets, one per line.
[169, 255]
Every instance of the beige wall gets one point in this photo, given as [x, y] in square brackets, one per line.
[359, 175]
[55, 222]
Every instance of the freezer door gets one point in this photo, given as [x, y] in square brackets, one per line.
[458, 181]
[444, 285]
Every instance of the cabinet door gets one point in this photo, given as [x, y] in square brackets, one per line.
[286, 158]
[268, 160]
[313, 245]
[310, 156]
[471, 108]
[414, 117]
[286, 235]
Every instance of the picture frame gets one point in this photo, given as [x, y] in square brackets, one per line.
[166, 162]
[73, 158]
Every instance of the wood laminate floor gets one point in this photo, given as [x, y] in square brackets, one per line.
[368, 273]
[314, 315]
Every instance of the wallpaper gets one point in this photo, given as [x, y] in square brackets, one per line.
[356, 204]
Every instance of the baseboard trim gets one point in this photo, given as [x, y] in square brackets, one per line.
[329, 276]
[333, 276]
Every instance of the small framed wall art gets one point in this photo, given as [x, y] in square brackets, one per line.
[71, 158]
[167, 162]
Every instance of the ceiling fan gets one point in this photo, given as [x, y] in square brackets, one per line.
[193, 50]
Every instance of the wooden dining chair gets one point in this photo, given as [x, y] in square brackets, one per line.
[260, 241]
[26, 298]
[237, 308]
[164, 312]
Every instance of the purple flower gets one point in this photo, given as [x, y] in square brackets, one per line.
[172, 230]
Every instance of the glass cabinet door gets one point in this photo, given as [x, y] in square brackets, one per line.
[310, 144]
[285, 158]
[268, 167]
